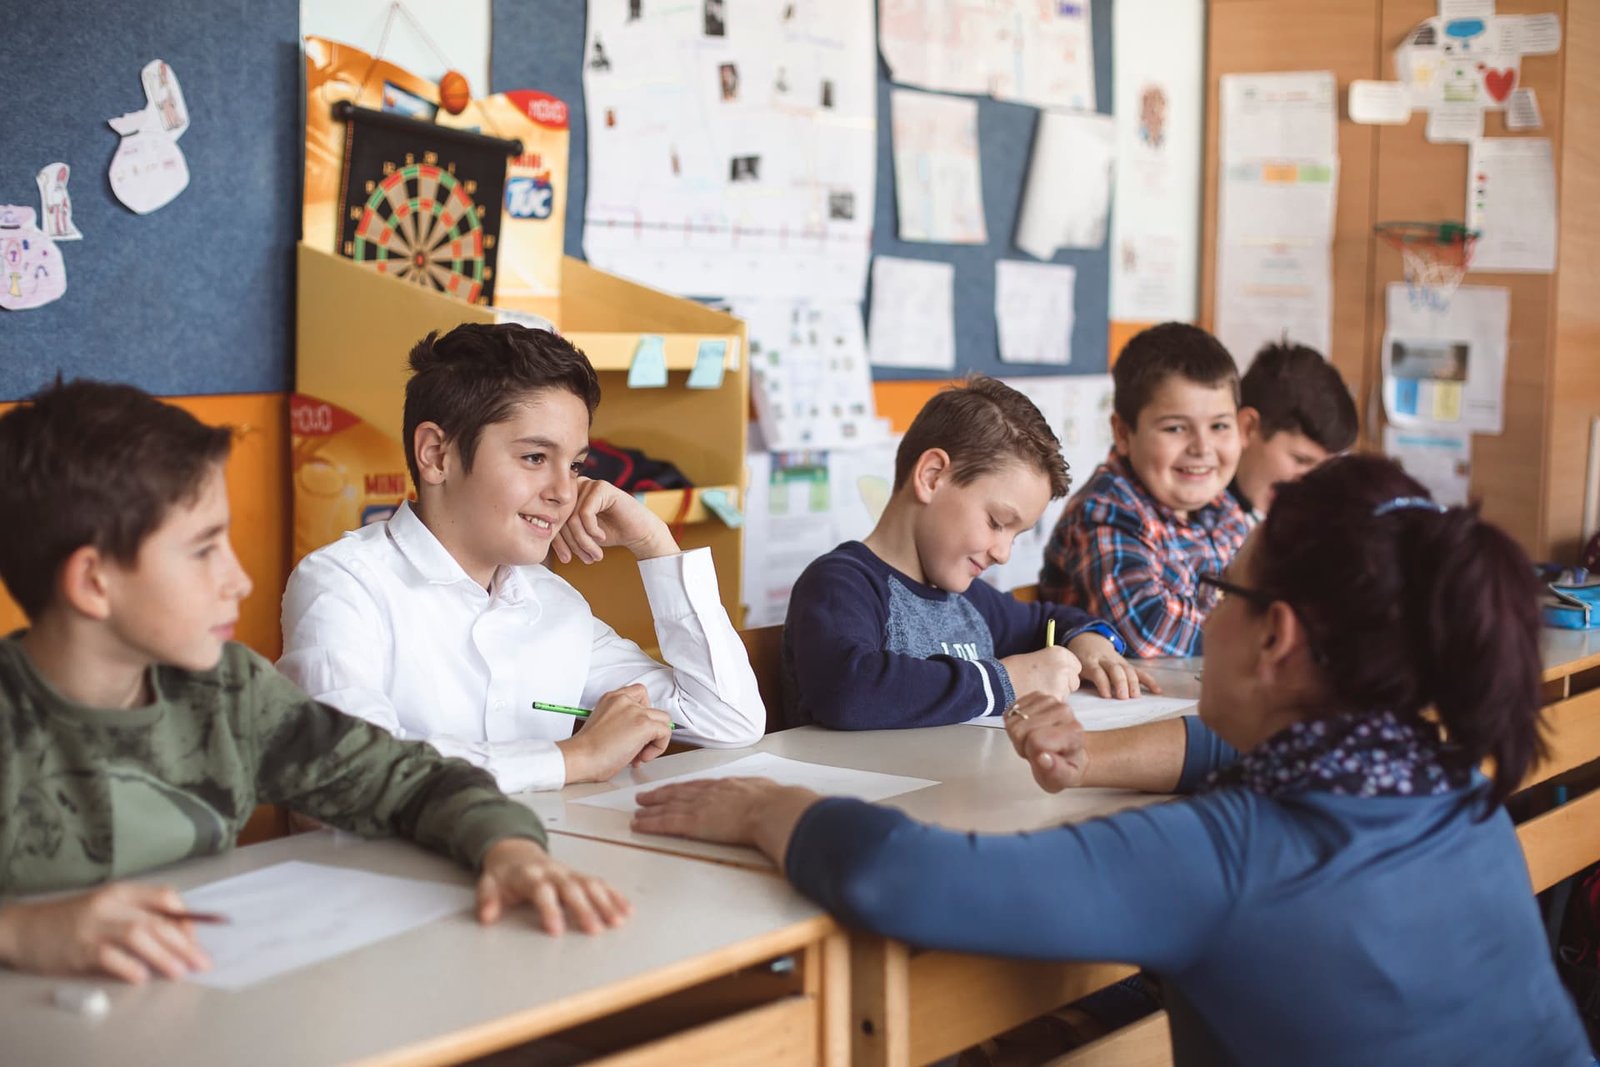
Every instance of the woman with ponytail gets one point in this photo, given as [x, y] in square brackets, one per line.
[1338, 885]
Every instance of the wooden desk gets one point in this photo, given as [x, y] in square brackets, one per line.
[693, 959]
[1565, 839]
[908, 1006]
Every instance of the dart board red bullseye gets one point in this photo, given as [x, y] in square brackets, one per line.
[419, 223]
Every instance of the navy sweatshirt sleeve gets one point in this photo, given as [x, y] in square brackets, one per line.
[1150, 887]
[1206, 752]
[842, 674]
[1019, 627]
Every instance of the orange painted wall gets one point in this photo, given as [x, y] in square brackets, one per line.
[258, 490]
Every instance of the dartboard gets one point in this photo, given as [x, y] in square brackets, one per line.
[422, 202]
[419, 223]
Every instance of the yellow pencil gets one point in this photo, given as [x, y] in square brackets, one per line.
[1050, 633]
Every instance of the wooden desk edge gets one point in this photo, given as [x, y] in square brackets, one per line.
[544, 1019]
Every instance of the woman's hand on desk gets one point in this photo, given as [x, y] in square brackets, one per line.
[517, 870]
[1044, 732]
[606, 517]
[124, 929]
[728, 811]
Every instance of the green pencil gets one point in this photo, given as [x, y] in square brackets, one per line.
[562, 709]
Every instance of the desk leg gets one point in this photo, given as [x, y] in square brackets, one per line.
[827, 981]
[880, 990]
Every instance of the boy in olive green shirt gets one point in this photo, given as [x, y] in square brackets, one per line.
[134, 733]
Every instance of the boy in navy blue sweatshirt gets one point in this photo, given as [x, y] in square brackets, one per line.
[896, 632]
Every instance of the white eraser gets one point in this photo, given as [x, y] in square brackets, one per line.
[89, 1001]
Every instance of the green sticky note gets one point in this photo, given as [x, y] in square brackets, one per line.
[718, 503]
[708, 361]
[649, 367]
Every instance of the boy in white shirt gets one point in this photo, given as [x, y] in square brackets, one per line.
[442, 624]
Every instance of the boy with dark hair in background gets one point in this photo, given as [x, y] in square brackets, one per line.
[1294, 412]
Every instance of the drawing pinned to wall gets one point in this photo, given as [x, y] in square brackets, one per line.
[912, 321]
[32, 272]
[149, 169]
[938, 178]
[1033, 311]
[1069, 184]
[56, 204]
[732, 155]
[1019, 50]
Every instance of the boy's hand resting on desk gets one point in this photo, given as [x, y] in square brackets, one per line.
[1054, 670]
[1044, 732]
[728, 811]
[517, 870]
[606, 516]
[118, 929]
[623, 730]
[1111, 675]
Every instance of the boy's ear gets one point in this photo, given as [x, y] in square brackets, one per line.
[83, 583]
[931, 469]
[1249, 425]
[1121, 434]
[431, 447]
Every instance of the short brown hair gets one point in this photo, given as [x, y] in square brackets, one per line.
[92, 463]
[473, 376]
[981, 424]
[1294, 388]
[1172, 349]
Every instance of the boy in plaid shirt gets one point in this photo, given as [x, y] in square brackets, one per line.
[1158, 512]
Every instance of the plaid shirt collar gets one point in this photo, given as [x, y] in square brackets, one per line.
[1207, 517]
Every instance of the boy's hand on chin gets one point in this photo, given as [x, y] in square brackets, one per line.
[606, 516]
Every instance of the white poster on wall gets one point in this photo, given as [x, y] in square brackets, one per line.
[1158, 88]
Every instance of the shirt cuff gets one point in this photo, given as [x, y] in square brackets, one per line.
[673, 583]
[1007, 694]
[526, 766]
[1105, 631]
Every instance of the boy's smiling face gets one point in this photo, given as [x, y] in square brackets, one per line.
[1267, 460]
[179, 600]
[1185, 447]
[965, 529]
[522, 487]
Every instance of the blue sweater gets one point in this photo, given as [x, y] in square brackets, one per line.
[866, 647]
[1308, 929]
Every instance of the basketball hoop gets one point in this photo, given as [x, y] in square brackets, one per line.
[1434, 255]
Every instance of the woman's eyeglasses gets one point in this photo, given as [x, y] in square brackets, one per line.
[1225, 589]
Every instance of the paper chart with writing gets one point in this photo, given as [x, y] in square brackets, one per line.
[293, 915]
[1511, 201]
[829, 781]
[1446, 368]
[1021, 50]
[732, 148]
[809, 376]
[1096, 712]
[938, 179]
[912, 323]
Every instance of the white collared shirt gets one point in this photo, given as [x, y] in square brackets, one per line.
[385, 625]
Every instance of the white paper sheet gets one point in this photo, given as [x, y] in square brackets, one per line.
[913, 319]
[1447, 368]
[1158, 89]
[938, 179]
[1454, 124]
[427, 37]
[1098, 713]
[1033, 311]
[1069, 184]
[1511, 201]
[293, 915]
[1439, 459]
[808, 374]
[1020, 50]
[1279, 183]
[1379, 103]
[829, 781]
[732, 152]
[149, 170]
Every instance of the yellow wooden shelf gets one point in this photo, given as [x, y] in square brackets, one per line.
[666, 502]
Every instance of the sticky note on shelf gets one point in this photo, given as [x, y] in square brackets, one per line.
[649, 367]
[719, 504]
[708, 363]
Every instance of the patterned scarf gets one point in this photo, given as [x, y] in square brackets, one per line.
[1373, 754]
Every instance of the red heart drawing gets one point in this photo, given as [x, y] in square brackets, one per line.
[1499, 83]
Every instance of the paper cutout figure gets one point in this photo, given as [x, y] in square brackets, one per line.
[149, 170]
[32, 272]
[708, 361]
[649, 367]
[55, 204]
